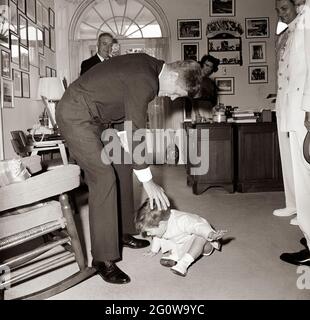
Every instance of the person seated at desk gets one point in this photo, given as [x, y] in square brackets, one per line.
[207, 97]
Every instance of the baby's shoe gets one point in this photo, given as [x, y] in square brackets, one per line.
[169, 261]
[208, 249]
[179, 269]
[216, 244]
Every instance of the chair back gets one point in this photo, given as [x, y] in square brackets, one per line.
[19, 143]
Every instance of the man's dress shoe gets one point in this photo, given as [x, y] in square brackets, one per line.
[301, 258]
[111, 273]
[133, 243]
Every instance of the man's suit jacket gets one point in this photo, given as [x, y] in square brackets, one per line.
[89, 63]
[117, 90]
[293, 98]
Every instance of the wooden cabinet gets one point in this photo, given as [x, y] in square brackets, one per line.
[220, 158]
[258, 163]
[242, 157]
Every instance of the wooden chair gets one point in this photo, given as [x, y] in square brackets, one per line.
[28, 211]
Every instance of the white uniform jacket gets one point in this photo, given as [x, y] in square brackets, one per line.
[293, 98]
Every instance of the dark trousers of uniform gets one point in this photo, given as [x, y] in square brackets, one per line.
[111, 208]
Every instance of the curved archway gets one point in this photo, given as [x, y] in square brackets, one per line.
[80, 47]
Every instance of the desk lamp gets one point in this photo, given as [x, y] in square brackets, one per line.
[50, 90]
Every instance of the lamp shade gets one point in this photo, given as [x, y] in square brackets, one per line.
[51, 88]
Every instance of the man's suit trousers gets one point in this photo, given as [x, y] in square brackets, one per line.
[111, 209]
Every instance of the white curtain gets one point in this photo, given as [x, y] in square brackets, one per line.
[157, 47]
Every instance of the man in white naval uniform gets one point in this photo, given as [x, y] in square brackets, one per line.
[293, 110]
[284, 142]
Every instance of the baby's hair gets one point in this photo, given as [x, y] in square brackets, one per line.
[149, 218]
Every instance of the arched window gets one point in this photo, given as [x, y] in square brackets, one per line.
[125, 19]
[138, 25]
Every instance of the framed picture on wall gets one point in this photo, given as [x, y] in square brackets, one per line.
[7, 93]
[31, 9]
[24, 58]
[25, 85]
[14, 17]
[33, 45]
[48, 71]
[40, 37]
[51, 15]
[222, 8]
[257, 27]
[258, 74]
[45, 18]
[39, 13]
[52, 39]
[21, 5]
[46, 37]
[190, 51]
[189, 29]
[23, 30]
[5, 25]
[14, 44]
[17, 81]
[257, 52]
[225, 85]
[5, 64]
[41, 66]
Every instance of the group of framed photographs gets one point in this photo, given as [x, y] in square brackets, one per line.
[27, 28]
[257, 28]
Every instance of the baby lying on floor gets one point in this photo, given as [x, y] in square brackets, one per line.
[185, 236]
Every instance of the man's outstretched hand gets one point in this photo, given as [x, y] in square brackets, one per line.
[157, 194]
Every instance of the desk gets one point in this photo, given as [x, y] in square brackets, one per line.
[242, 157]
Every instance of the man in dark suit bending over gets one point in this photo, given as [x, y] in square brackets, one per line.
[104, 45]
[104, 97]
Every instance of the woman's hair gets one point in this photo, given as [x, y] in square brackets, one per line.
[190, 76]
[208, 57]
[149, 218]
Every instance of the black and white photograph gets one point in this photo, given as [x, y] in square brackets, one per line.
[24, 58]
[222, 8]
[51, 19]
[225, 85]
[258, 74]
[190, 51]
[257, 27]
[196, 215]
[33, 45]
[257, 52]
[45, 17]
[7, 94]
[5, 64]
[189, 29]
[42, 72]
[17, 81]
[4, 23]
[52, 39]
[21, 4]
[40, 37]
[23, 30]
[31, 9]
[26, 85]
[47, 37]
[39, 13]
[13, 17]
[14, 44]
